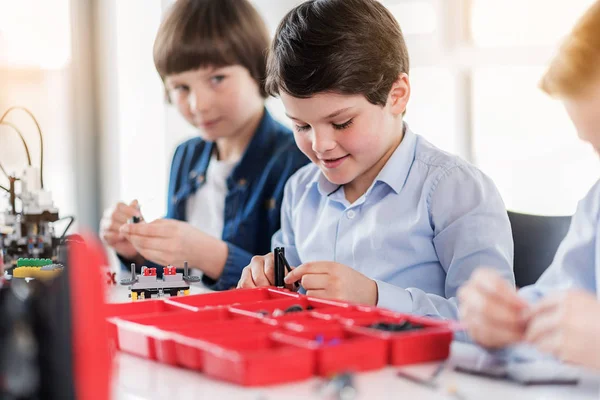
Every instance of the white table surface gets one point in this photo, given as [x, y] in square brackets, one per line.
[138, 378]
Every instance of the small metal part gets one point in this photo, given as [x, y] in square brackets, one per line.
[294, 308]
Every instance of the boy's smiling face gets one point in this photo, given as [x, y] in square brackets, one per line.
[349, 138]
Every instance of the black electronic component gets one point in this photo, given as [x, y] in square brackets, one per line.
[393, 327]
[281, 265]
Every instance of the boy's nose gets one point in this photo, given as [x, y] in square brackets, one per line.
[322, 142]
[199, 102]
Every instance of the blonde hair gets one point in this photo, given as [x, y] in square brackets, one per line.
[577, 63]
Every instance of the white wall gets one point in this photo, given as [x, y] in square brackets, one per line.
[133, 113]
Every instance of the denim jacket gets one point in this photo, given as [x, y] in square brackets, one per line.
[255, 192]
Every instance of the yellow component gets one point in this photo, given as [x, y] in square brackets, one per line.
[186, 292]
[42, 274]
[35, 272]
[133, 296]
[25, 272]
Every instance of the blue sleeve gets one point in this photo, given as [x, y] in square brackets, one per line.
[574, 265]
[471, 229]
[237, 259]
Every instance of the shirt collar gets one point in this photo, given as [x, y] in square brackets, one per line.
[395, 172]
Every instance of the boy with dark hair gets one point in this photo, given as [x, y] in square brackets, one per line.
[226, 186]
[381, 216]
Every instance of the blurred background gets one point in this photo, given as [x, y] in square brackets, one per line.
[85, 69]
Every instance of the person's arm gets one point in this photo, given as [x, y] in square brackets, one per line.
[471, 229]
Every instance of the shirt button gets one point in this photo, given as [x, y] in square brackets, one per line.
[193, 175]
[174, 199]
[242, 182]
[351, 214]
[200, 179]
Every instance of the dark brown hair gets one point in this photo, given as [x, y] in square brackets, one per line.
[343, 46]
[216, 33]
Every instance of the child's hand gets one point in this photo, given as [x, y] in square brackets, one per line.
[260, 273]
[567, 326]
[491, 310]
[332, 280]
[165, 241]
[110, 226]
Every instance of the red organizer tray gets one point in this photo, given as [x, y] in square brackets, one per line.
[431, 343]
[191, 343]
[254, 309]
[149, 335]
[265, 360]
[134, 308]
[341, 351]
[225, 335]
[199, 301]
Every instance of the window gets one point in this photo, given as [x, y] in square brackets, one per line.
[474, 81]
[35, 57]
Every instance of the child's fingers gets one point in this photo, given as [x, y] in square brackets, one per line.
[489, 335]
[145, 243]
[550, 343]
[315, 281]
[268, 263]
[492, 310]
[126, 211]
[547, 305]
[542, 324]
[143, 229]
[319, 293]
[488, 281]
[309, 268]
[154, 256]
[257, 270]
[246, 281]
[111, 238]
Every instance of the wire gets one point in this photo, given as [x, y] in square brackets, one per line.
[68, 226]
[4, 171]
[39, 129]
[11, 125]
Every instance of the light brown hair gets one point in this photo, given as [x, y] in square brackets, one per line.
[212, 33]
[577, 63]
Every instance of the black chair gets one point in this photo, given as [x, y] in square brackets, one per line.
[536, 240]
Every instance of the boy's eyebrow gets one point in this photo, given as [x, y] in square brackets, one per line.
[336, 113]
[332, 115]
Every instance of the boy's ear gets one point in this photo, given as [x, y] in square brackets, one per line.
[399, 94]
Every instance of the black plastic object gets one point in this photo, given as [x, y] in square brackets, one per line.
[392, 327]
[36, 340]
